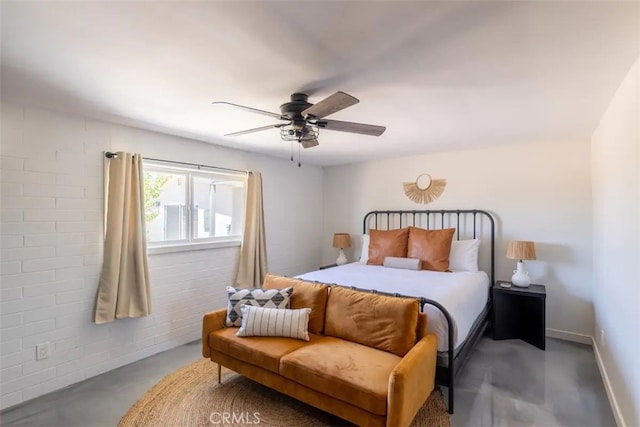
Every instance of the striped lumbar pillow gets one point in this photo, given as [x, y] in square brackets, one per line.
[238, 298]
[273, 322]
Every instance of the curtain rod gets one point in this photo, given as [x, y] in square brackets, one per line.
[110, 155]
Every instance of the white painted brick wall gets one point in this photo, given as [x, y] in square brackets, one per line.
[51, 225]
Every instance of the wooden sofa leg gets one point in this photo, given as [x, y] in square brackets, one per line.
[219, 373]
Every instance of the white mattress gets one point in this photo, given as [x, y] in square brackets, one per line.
[463, 294]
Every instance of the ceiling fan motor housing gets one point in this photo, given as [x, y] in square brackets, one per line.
[293, 110]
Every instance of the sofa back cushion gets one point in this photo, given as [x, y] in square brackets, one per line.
[421, 331]
[378, 321]
[305, 295]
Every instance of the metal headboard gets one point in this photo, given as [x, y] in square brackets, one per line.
[469, 223]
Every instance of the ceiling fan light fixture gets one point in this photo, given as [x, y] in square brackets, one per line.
[292, 133]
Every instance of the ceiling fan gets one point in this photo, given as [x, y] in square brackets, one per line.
[304, 120]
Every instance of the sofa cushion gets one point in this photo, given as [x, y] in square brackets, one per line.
[259, 351]
[342, 369]
[382, 322]
[421, 331]
[305, 294]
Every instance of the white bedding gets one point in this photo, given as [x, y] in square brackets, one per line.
[463, 294]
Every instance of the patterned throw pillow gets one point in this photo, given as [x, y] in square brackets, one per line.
[272, 298]
[272, 322]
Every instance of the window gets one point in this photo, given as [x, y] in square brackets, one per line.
[192, 208]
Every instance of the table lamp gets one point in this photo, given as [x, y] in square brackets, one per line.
[521, 250]
[341, 241]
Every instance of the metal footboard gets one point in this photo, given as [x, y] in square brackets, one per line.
[451, 371]
[439, 219]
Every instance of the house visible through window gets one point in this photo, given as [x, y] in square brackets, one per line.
[184, 206]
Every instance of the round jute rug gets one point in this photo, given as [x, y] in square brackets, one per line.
[191, 396]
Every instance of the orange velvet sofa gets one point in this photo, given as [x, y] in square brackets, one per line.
[369, 359]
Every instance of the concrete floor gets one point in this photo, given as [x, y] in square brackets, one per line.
[505, 383]
[512, 383]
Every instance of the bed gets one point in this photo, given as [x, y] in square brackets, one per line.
[457, 303]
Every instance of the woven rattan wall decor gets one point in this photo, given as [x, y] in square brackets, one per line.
[425, 189]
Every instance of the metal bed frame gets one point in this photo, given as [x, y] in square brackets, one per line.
[445, 375]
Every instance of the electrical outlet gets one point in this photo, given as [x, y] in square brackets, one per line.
[602, 337]
[42, 350]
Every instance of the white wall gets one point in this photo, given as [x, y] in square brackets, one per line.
[51, 230]
[616, 255]
[539, 192]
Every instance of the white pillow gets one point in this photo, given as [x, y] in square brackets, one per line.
[364, 252]
[403, 263]
[274, 322]
[464, 255]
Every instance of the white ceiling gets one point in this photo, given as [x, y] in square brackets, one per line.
[440, 75]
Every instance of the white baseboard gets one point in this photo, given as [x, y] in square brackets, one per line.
[588, 339]
[569, 336]
[607, 386]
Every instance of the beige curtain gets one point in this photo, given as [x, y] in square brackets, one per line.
[124, 288]
[253, 254]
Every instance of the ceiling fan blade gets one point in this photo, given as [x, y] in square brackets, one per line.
[352, 127]
[252, 110]
[330, 105]
[244, 132]
[309, 143]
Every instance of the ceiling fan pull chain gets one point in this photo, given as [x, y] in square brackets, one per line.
[299, 143]
[292, 151]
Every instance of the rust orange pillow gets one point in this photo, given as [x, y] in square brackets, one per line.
[392, 243]
[432, 247]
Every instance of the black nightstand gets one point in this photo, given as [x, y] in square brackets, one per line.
[328, 266]
[519, 313]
